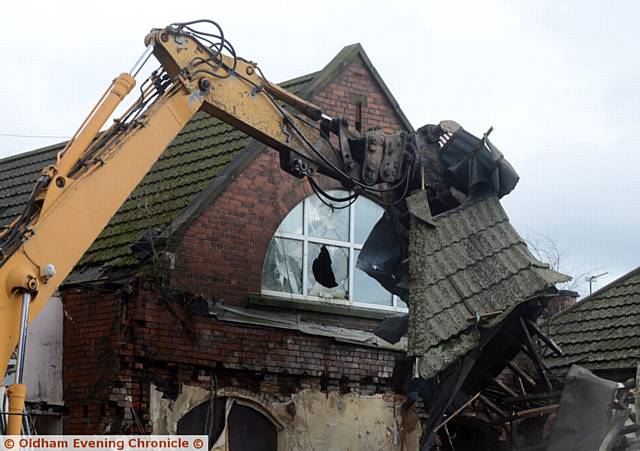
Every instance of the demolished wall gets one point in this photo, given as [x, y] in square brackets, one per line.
[118, 344]
[311, 419]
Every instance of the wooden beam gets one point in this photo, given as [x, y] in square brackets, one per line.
[534, 412]
[519, 372]
[457, 411]
[534, 355]
[537, 411]
[549, 342]
[493, 407]
[503, 387]
[533, 397]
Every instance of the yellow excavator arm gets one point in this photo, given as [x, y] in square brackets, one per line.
[74, 199]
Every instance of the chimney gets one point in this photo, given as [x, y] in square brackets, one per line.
[564, 300]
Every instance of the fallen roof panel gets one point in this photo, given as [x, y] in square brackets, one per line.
[471, 263]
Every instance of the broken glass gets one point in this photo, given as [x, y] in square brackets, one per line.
[282, 269]
[367, 290]
[339, 266]
[367, 214]
[326, 222]
[292, 223]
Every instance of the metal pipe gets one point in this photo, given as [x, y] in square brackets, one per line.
[120, 87]
[22, 343]
[142, 60]
[17, 392]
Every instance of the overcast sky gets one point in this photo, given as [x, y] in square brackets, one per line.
[559, 81]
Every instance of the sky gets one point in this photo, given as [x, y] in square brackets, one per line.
[558, 81]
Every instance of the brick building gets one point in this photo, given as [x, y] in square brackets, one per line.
[168, 319]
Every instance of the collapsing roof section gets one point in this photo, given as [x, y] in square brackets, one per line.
[601, 332]
[470, 265]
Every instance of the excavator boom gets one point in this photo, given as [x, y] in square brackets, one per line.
[74, 200]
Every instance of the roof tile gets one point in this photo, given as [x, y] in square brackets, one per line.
[603, 330]
[472, 262]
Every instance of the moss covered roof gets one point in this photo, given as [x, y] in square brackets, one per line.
[196, 156]
[601, 332]
[472, 262]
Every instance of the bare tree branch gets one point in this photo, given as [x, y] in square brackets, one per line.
[546, 249]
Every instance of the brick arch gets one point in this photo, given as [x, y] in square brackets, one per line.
[260, 402]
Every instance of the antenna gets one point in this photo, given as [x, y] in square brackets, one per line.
[592, 279]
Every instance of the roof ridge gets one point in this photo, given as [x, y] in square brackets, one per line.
[335, 66]
[596, 293]
[298, 79]
[32, 152]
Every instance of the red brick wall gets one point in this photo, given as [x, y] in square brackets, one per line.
[355, 79]
[222, 253]
[117, 344]
[93, 338]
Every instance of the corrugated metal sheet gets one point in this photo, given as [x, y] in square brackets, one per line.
[472, 262]
[602, 331]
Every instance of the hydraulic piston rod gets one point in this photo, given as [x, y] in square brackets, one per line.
[17, 391]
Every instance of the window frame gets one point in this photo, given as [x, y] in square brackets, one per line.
[352, 246]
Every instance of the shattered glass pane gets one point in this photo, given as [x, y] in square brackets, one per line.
[292, 223]
[282, 270]
[326, 222]
[367, 213]
[367, 290]
[339, 267]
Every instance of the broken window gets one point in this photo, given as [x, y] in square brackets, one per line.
[314, 251]
[327, 222]
[282, 270]
[335, 284]
[365, 291]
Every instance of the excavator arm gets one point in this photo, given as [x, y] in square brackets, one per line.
[74, 199]
[71, 204]
[238, 94]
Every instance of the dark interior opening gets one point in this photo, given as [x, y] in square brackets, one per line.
[248, 429]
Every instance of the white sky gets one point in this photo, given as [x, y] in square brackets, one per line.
[559, 81]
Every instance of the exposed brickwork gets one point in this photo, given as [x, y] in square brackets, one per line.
[222, 253]
[93, 338]
[112, 357]
[117, 344]
[337, 99]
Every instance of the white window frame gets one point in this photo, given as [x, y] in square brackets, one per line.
[351, 245]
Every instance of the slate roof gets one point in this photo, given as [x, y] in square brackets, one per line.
[471, 262]
[601, 332]
[198, 153]
[187, 169]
